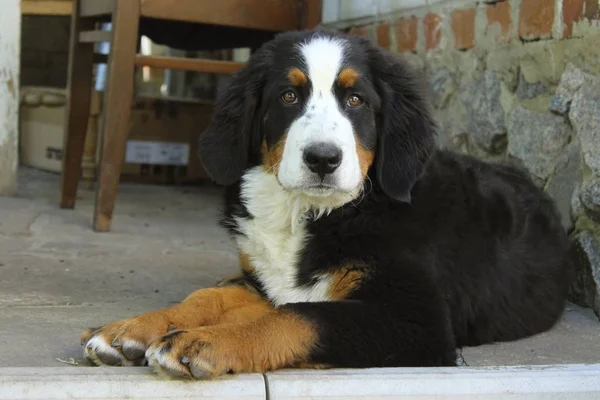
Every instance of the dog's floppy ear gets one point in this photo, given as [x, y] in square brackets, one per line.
[406, 127]
[232, 136]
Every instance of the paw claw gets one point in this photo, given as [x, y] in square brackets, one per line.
[108, 359]
[133, 352]
[199, 372]
[108, 346]
[187, 354]
[175, 372]
[123, 342]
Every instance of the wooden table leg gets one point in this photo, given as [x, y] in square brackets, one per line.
[117, 108]
[78, 107]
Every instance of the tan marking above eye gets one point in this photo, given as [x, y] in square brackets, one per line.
[354, 101]
[348, 77]
[297, 77]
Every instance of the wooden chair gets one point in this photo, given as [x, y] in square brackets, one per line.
[215, 24]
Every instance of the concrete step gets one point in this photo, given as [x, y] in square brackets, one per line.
[550, 382]
[57, 383]
[553, 382]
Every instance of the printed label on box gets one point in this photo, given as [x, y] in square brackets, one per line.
[162, 153]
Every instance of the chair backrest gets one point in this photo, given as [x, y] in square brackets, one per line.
[269, 15]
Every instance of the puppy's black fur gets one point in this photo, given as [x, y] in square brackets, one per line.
[455, 252]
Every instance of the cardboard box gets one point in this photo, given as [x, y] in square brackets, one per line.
[161, 145]
[42, 120]
[162, 142]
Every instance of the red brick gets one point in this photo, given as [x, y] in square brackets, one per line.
[407, 34]
[591, 9]
[572, 12]
[433, 33]
[463, 28]
[360, 31]
[536, 18]
[499, 13]
[383, 35]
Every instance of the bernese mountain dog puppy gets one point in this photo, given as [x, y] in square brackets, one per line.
[361, 244]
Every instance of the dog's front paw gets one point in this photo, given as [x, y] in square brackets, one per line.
[200, 353]
[124, 342]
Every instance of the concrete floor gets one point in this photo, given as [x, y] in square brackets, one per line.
[58, 277]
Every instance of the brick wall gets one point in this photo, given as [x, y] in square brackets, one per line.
[504, 21]
[517, 81]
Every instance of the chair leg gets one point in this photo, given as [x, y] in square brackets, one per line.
[117, 108]
[78, 107]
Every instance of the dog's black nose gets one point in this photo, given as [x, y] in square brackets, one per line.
[322, 158]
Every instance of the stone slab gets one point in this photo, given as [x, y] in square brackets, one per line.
[575, 339]
[568, 382]
[121, 383]
[62, 277]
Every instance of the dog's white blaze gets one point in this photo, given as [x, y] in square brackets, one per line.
[322, 120]
[274, 237]
[324, 58]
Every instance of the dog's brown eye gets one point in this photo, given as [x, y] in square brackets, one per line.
[354, 101]
[289, 97]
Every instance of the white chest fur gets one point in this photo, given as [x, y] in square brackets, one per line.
[274, 237]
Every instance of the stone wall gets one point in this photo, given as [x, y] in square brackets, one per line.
[517, 81]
